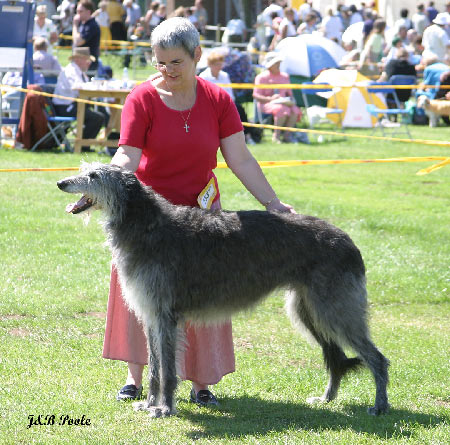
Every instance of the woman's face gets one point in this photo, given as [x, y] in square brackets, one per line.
[216, 67]
[275, 68]
[177, 66]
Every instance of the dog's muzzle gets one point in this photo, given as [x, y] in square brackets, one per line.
[84, 203]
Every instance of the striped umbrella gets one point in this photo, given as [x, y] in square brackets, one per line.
[308, 54]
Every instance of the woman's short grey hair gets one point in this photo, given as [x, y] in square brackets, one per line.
[176, 32]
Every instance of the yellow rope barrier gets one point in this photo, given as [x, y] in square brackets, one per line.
[74, 99]
[273, 164]
[351, 135]
[434, 167]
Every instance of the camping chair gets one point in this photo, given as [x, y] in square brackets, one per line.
[403, 79]
[317, 114]
[58, 127]
[382, 114]
[261, 118]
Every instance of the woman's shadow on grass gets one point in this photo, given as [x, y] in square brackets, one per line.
[248, 416]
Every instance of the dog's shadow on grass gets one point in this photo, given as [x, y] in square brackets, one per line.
[248, 416]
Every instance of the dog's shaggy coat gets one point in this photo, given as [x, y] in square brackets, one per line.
[179, 263]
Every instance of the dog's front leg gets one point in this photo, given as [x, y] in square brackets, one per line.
[153, 368]
[162, 369]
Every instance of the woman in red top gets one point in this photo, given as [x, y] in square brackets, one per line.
[172, 127]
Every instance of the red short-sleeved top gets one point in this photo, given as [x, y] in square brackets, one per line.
[175, 163]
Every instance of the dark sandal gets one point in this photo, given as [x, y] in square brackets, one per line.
[129, 392]
[203, 398]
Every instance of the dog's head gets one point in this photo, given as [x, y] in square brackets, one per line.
[423, 101]
[102, 186]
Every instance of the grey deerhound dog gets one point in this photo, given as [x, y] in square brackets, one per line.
[178, 263]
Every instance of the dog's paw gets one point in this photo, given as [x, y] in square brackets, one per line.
[141, 406]
[316, 400]
[377, 410]
[153, 411]
[160, 411]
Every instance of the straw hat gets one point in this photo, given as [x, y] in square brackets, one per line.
[81, 52]
[271, 59]
[441, 19]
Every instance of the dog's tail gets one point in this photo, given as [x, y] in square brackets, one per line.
[336, 360]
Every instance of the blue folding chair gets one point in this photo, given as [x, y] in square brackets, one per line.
[58, 127]
[403, 95]
[324, 111]
[383, 115]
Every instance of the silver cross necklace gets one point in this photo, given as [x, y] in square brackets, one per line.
[186, 126]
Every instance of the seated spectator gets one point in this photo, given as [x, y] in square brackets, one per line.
[309, 25]
[215, 74]
[395, 46]
[71, 78]
[351, 59]
[42, 60]
[279, 103]
[373, 49]
[432, 71]
[287, 24]
[235, 31]
[399, 64]
[44, 27]
[411, 38]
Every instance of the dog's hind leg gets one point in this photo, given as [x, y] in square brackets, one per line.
[168, 378]
[342, 321]
[378, 365]
[336, 362]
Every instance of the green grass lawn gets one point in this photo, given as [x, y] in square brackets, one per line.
[54, 285]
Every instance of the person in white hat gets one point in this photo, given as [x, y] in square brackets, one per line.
[69, 80]
[278, 102]
[435, 39]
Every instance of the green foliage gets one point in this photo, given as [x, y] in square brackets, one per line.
[53, 292]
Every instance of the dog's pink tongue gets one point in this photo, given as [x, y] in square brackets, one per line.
[82, 204]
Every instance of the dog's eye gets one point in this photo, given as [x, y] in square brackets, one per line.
[93, 175]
